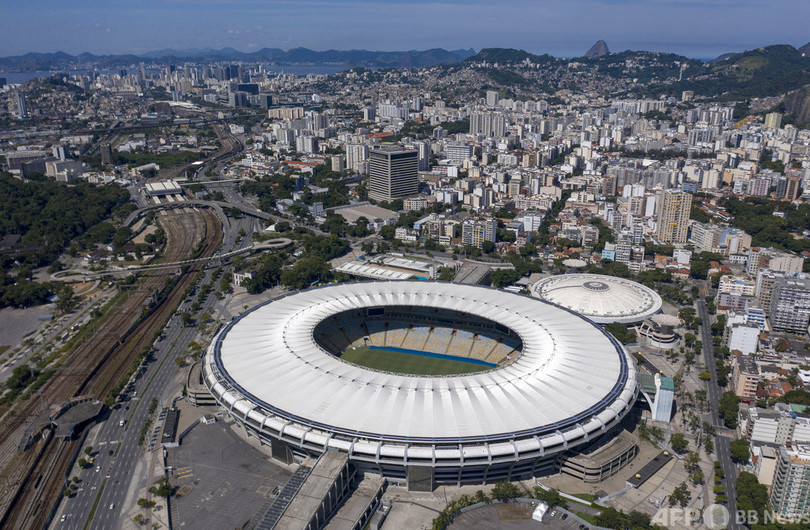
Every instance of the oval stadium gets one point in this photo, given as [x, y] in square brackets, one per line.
[424, 382]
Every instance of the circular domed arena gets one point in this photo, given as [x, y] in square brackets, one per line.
[428, 382]
[603, 299]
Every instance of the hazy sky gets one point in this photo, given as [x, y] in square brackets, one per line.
[696, 28]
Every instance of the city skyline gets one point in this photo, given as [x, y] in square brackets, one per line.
[695, 28]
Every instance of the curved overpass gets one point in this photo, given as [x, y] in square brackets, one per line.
[75, 276]
[218, 205]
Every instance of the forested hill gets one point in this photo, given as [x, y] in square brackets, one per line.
[768, 71]
[48, 216]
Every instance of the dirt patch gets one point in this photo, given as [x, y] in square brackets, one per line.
[140, 239]
[184, 490]
[513, 513]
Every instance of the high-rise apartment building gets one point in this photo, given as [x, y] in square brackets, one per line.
[790, 491]
[459, 152]
[476, 231]
[674, 207]
[424, 152]
[106, 154]
[790, 305]
[773, 120]
[794, 188]
[356, 157]
[492, 98]
[338, 163]
[393, 173]
[490, 124]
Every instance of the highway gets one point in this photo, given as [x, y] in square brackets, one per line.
[722, 444]
[123, 463]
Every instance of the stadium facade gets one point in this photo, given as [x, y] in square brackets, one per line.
[558, 381]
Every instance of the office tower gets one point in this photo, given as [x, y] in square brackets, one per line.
[674, 207]
[424, 151]
[22, 109]
[106, 154]
[393, 173]
[790, 491]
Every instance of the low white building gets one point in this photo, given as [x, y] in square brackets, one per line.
[744, 338]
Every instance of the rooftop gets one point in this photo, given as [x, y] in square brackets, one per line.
[603, 299]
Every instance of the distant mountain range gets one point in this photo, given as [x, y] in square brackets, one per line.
[296, 56]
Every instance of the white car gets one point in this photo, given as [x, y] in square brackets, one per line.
[112, 506]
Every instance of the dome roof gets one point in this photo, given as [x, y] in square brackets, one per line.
[603, 299]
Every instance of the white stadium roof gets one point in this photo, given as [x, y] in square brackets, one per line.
[603, 299]
[572, 376]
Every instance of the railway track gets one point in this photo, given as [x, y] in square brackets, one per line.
[36, 477]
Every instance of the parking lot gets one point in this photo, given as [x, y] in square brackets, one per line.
[221, 481]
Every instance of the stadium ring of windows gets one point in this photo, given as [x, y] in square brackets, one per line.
[554, 381]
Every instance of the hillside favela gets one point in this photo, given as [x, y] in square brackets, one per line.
[460, 287]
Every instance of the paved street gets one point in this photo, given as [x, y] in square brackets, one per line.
[722, 443]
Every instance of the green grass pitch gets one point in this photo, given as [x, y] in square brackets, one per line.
[406, 363]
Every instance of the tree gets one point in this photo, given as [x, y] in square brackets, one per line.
[146, 503]
[446, 274]
[527, 250]
[679, 442]
[708, 445]
[691, 460]
[680, 495]
[387, 232]
[334, 224]
[504, 277]
[307, 271]
[620, 331]
[751, 495]
[728, 407]
[82, 463]
[88, 450]
[161, 488]
[505, 491]
[188, 319]
[487, 247]
[740, 451]
[613, 518]
[551, 497]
